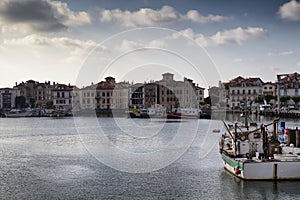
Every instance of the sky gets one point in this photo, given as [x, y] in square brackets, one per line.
[81, 42]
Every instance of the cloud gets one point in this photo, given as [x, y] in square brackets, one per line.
[283, 53]
[231, 36]
[238, 60]
[145, 16]
[195, 16]
[58, 42]
[39, 15]
[128, 45]
[150, 17]
[290, 11]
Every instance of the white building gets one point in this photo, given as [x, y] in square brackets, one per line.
[8, 98]
[290, 85]
[62, 96]
[243, 90]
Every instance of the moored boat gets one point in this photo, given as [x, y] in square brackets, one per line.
[18, 113]
[252, 152]
[184, 113]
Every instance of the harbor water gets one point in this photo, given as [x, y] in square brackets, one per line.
[48, 158]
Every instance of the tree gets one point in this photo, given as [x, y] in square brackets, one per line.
[32, 102]
[296, 99]
[259, 99]
[284, 99]
[20, 102]
[49, 105]
[269, 97]
[207, 100]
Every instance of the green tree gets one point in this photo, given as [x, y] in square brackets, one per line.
[20, 102]
[284, 99]
[49, 105]
[259, 99]
[32, 102]
[269, 97]
[296, 99]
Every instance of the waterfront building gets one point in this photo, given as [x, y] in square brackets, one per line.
[62, 96]
[219, 96]
[27, 89]
[269, 88]
[8, 98]
[136, 95]
[87, 97]
[120, 96]
[42, 93]
[183, 94]
[104, 93]
[242, 89]
[290, 85]
[151, 94]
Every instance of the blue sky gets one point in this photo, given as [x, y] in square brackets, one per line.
[79, 41]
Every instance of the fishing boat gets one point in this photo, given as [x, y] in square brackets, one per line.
[253, 152]
[18, 113]
[184, 113]
[139, 113]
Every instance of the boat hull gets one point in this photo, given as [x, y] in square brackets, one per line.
[268, 170]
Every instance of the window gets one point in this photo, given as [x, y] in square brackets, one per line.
[232, 92]
[249, 91]
[103, 94]
[238, 91]
[254, 91]
[244, 92]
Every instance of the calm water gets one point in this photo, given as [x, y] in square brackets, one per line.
[44, 158]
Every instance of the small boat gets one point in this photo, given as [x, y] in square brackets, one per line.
[18, 113]
[184, 113]
[54, 113]
[252, 152]
[139, 113]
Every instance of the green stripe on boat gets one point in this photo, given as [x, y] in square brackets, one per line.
[232, 162]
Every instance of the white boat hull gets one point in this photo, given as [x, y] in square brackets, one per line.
[269, 170]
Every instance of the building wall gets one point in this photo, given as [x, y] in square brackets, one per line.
[8, 97]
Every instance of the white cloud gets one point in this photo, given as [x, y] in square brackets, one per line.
[285, 53]
[237, 35]
[232, 36]
[68, 17]
[290, 11]
[128, 45]
[238, 60]
[58, 42]
[195, 16]
[150, 17]
[145, 16]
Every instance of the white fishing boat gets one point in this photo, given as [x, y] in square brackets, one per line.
[253, 152]
[18, 113]
[184, 113]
